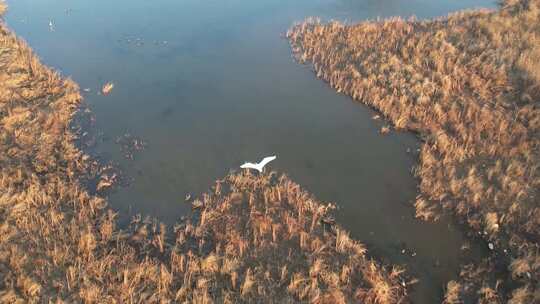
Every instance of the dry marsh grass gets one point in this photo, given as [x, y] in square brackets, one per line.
[469, 85]
[252, 239]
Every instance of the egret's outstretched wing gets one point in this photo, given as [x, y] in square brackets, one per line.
[249, 165]
[266, 160]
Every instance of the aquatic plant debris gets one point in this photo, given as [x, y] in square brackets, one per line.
[252, 239]
[130, 144]
[469, 85]
[107, 88]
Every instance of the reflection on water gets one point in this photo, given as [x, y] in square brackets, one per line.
[209, 84]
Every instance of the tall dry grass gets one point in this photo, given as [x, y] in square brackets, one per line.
[469, 85]
[255, 238]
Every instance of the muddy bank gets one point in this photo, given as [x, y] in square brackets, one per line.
[469, 85]
[251, 239]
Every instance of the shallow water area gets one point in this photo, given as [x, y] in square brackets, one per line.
[209, 84]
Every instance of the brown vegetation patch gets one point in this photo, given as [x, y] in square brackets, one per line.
[253, 239]
[469, 85]
[264, 237]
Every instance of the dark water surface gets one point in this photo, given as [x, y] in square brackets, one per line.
[210, 84]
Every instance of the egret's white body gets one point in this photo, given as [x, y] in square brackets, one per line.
[260, 166]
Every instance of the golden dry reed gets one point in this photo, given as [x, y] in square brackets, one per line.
[469, 85]
[253, 239]
[3, 8]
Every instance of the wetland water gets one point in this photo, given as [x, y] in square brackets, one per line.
[210, 84]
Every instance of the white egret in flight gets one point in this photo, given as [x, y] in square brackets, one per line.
[260, 166]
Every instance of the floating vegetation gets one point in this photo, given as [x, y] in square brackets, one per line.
[108, 176]
[130, 144]
[83, 128]
[107, 88]
[251, 239]
[106, 181]
[469, 84]
[139, 42]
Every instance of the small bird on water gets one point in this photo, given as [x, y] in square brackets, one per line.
[260, 166]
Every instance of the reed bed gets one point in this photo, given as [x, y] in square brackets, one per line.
[469, 85]
[252, 239]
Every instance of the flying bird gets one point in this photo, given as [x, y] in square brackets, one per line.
[260, 166]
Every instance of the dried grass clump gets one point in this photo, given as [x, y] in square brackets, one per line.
[253, 239]
[469, 84]
[452, 295]
[265, 238]
[3, 7]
